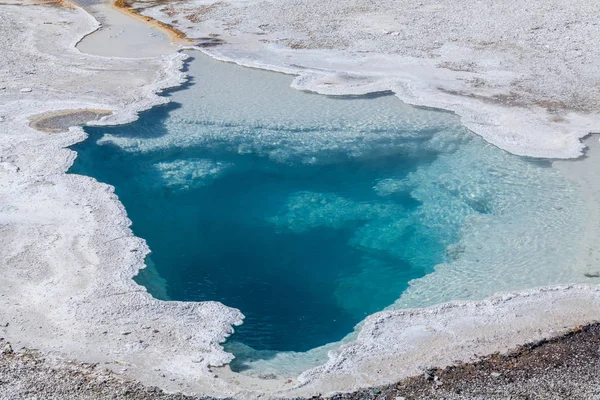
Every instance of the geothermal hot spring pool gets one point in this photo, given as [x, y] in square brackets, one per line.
[309, 212]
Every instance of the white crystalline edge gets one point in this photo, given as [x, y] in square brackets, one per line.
[518, 130]
[401, 343]
[33, 182]
[346, 48]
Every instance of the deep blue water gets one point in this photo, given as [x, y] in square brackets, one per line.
[292, 210]
[214, 242]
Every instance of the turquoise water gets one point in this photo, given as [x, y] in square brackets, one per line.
[245, 239]
[306, 212]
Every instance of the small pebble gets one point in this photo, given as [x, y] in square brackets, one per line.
[7, 349]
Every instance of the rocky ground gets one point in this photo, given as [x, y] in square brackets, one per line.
[566, 367]
[27, 374]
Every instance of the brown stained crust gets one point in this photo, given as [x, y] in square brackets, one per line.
[200, 12]
[564, 367]
[53, 3]
[61, 121]
[174, 34]
[513, 99]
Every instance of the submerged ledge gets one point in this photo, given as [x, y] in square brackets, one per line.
[94, 243]
[61, 121]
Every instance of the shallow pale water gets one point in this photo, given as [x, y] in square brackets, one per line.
[309, 212]
[120, 35]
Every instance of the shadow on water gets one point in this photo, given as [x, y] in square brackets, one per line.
[370, 96]
[244, 357]
[151, 123]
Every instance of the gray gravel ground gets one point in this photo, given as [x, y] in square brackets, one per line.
[566, 367]
[26, 374]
